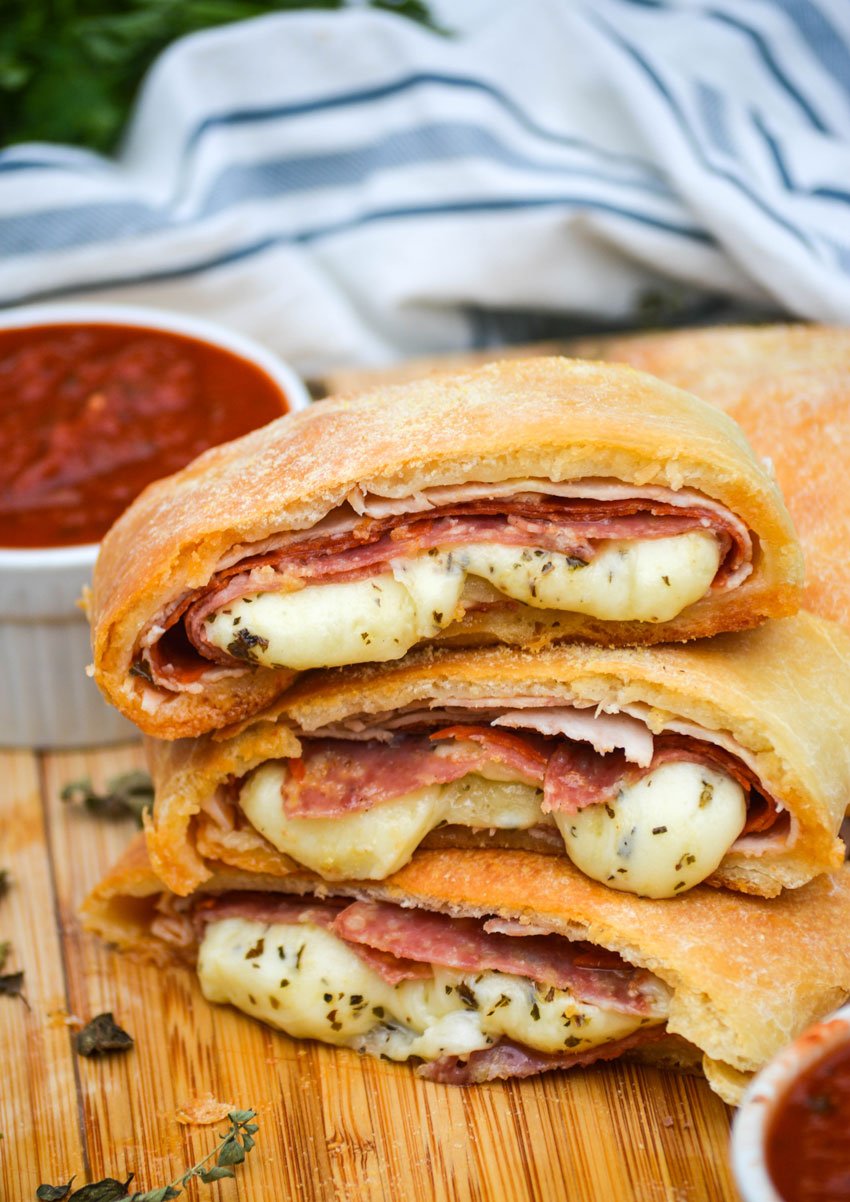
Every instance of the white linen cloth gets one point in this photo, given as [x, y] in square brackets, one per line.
[349, 187]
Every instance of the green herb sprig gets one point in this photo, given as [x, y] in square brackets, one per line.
[126, 796]
[105, 48]
[231, 1150]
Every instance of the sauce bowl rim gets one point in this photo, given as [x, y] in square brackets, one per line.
[752, 1122]
[202, 329]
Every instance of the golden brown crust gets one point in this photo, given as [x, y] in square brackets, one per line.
[550, 418]
[788, 387]
[746, 974]
[782, 691]
[187, 773]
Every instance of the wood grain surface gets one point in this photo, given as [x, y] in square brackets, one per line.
[333, 1127]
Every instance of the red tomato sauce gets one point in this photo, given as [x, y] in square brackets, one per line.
[808, 1143]
[90, 414]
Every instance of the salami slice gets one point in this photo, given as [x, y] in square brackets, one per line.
[507, 1059]
[353, 550]
[592, 974]
[338, 776]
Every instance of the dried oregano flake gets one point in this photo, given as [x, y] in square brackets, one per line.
[102, 1035]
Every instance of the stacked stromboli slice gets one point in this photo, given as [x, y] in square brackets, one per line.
[439, 843]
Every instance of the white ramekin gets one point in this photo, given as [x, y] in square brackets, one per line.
[753, 1120]
[46, 699]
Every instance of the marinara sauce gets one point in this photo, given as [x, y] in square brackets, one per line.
[808, 1143]
[90, 414]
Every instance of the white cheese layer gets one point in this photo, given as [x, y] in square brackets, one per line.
[649, 580]
[658, 838]
[663, 835]
[303, 980]
[326, 625]
[379, 619]
[371, 844]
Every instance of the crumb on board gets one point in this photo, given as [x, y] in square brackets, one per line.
[202, 1111]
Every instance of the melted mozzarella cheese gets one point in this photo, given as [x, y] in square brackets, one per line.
[379, 619]
[659, 838]
[303, 980]
[371, 844]
[361, 621]
[650, 580]
[662, 835]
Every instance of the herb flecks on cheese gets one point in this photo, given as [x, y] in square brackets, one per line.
[658, 838]
[382, 617]
[371, 844]
[309, 983]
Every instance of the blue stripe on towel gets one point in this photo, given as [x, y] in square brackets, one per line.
[694, 142]
[307, 236]
[91, 223]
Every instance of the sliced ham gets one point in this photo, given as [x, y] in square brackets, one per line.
[576, 777]
[598, 489]
[507, 1059]
[605, 732]
[591, 974]
[544, 516]
[512, 926]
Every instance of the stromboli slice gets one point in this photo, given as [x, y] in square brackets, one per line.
[524, 503]
[472, 962]
[653, 769]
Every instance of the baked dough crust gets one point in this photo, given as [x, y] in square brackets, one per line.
[787, 386]
[782, 691]
[746, 974]
[543, 418]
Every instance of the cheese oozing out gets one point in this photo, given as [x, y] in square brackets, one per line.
[372, 844]
[381, 618]
[658, 838]
[663, 835]
[305, 981]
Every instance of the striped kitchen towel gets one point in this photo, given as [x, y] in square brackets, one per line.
[350, 187]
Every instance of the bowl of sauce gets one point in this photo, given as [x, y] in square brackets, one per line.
[96, 402]
[790, 1138]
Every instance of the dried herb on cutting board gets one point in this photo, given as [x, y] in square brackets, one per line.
[231, 1149]
[107, 1190]
[5, 881]
[102, 1035]
[11, 983]
[126, 796]
[54, 1193]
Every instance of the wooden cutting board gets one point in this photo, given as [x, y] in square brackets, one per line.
[333, 1127]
